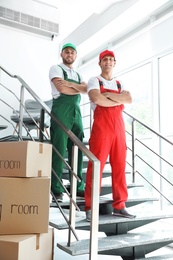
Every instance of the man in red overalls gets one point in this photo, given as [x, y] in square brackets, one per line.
[108, 133]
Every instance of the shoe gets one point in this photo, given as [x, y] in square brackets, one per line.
[122, 213]
[80, 194]
[88, 215]
[58, 196]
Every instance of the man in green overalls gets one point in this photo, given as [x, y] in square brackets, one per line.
[66, 85]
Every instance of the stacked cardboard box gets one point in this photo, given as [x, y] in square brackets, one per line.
[25, 170]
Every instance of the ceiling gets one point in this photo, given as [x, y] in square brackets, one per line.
[74, 12]
[69, 14]
[112, 23]
[91, 23]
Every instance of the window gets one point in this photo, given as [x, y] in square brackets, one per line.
[138, 82]
[166, 94]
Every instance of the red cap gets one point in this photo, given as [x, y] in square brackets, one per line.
[106, 53]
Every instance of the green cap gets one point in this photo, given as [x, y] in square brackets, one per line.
[70, 45]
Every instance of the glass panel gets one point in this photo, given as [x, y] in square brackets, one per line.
[138, 82]
[166, 126]
[166, 94]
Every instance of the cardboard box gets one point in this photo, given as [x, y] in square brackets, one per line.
[25, 159]
[24, 205]
[27, 247]
[45, 249]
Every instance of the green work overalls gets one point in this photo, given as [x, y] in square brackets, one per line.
[67, 109]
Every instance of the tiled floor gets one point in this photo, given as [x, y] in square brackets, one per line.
[62, 235]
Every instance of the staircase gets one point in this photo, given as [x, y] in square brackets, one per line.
[127, 238]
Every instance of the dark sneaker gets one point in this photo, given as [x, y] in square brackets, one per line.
[88, 215]
[122, 213]
[58, 196]
[80, 194]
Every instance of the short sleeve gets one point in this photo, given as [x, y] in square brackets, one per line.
[55, 72]
[93, 83]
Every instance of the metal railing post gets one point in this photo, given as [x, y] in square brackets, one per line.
[133, 151]
[73, 188]
[95, 211]
[41, 130]
[21, 110]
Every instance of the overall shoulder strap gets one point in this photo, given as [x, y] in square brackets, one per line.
[100, 82]
[79, 78]
[118, 84]
[64, 73]
[66, 76]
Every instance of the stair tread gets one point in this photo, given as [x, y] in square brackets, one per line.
[119, 242]
[84, 170]
[158, 257]
[104, 185]
[104, 200]
[108, 218]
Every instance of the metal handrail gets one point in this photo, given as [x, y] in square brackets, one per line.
[95, 162]
[136, 156]
[149, 128]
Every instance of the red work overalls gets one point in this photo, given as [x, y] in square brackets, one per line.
[108, 139]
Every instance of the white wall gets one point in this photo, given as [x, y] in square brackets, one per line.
[29, 56]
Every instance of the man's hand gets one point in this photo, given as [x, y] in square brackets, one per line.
[68, 87]
[106, 94]
[125, 92]
[61, 83]
[124, 97]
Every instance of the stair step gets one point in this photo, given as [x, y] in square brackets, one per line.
[106, 220]
[13, 138]
[107, 187]
[106, 171]
[158, 257]
[105, 174]
[123, 245]
[107, 201]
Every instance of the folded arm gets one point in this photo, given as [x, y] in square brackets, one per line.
[102, 100]
[123, 97]
[69, 88]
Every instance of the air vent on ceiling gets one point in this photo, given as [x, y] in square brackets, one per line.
[28, 22]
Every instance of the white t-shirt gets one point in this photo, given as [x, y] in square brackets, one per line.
[56, 72]
[93, 83]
